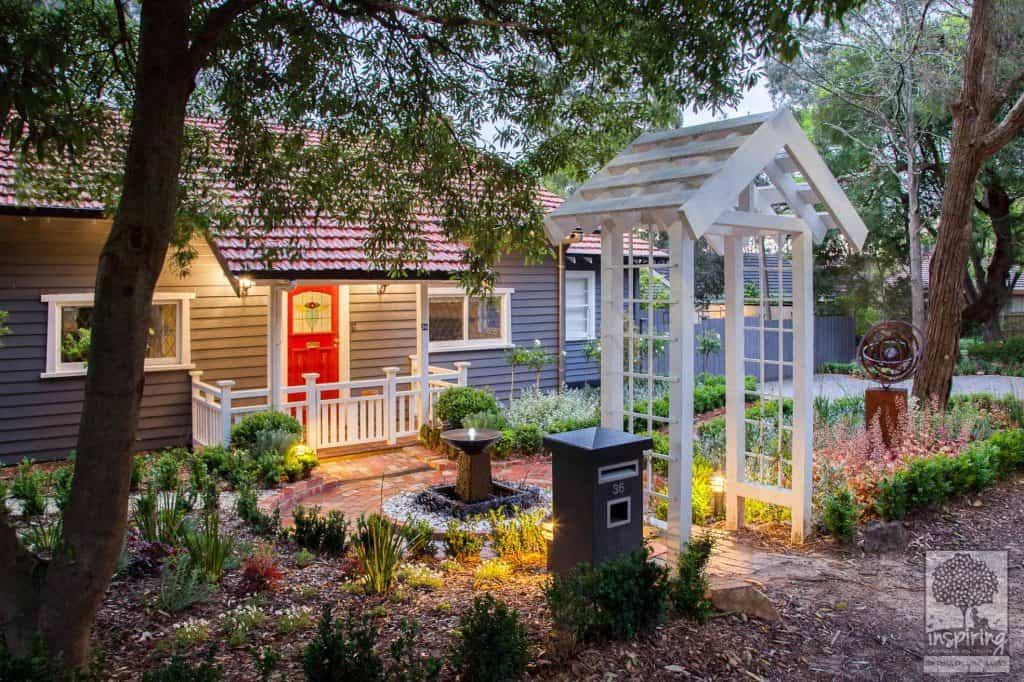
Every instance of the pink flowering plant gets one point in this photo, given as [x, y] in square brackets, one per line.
[848, 451]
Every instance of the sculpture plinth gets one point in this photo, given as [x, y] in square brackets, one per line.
[885, 406]
[889, 352]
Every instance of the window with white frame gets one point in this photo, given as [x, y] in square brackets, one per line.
[580, 322]
[69, 333]
[459, 321]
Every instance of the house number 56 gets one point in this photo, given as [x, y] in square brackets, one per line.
[618, 488]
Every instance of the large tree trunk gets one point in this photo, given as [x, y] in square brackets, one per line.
[59, 598]
[992, 293]
[971, 119]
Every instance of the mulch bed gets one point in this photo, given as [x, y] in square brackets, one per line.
[861, 620]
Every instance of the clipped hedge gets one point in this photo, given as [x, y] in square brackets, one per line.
[927, 481]
[1007, 351]
[708, 395]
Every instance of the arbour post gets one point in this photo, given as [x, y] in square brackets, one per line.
[612, 320]
[423, 350]
[735, 373]
[225, 411]
[803, 384]
[681, 321]
[390, 409]
[312, 410]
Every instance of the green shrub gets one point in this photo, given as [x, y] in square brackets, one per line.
[345, 651]
[891, 498]
[244, 433]
[27, 488]
[208, 550]
[618, 599]
[1009, 449]
[491, 644]
[419, 538]
[552, 411]
[216, 458]
[492, 571]
[1007, 351]
[840, 514]
[688, 589]
[181, 585]
[159, 516]
[840, 368]
[342, 651]
[39, 666]
[484, 420]
[299, 461]
[460, 543]
[273, 441]
[574, 424]
[248, 510]
[165, 471]
[513, 537]
[380, 545]
[140, 470]
[456, 403]
[61, 480]
[322, 534]
[181, 670]
[44, 533]
[527, 438]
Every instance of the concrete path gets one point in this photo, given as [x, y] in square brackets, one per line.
[840, 385]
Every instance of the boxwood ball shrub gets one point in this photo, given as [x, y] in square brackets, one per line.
[244, 433]
[457, 403]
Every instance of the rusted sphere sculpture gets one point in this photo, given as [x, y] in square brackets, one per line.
[891, 351]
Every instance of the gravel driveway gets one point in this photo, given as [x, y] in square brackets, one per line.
[839, 385]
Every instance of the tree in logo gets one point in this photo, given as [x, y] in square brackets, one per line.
[964, 582]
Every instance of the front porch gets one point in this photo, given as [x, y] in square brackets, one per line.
[336, 415]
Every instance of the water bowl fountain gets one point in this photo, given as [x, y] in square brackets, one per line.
[474, 491]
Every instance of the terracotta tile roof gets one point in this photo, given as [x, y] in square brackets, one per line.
[589, 244]
[314, 246]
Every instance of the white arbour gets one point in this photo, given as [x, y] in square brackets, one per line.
[751, 186]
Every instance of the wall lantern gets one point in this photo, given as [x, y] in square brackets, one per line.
[244, 285]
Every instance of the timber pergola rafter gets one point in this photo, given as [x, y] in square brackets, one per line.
[750, 185]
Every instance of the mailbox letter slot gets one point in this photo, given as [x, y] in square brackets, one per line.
[617, 472]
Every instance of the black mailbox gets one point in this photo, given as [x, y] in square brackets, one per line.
[597, 495]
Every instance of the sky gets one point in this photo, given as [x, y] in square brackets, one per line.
[755, 101]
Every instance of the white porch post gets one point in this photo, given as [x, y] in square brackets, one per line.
[612, 319]
[803, 383]
[275, 347]
[225, 411]
[463, 368]
[681, 321]
[312, 410]
[735, 371]
[390, 411]
[423, 349]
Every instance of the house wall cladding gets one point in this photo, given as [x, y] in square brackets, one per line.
[382, 329]
[534, 316]
[39, 417]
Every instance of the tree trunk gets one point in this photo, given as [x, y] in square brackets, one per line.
[971, 118]
[61, 598]
[917, 311]
[994, 291]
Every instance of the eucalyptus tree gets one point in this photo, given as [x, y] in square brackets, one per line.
[877, 84]
[349, 108]
[988, 115]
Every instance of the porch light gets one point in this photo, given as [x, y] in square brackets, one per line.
[244, 285]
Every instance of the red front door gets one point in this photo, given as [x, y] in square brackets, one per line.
[313, 334]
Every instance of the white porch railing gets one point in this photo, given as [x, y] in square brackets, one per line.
[336, 414]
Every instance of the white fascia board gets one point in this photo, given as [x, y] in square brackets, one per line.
[718, 193]
[820, 178]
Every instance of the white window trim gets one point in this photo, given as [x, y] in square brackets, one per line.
[591, 279]
[57, 369]
[503, 294]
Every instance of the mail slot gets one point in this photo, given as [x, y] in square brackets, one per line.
[597, 495]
